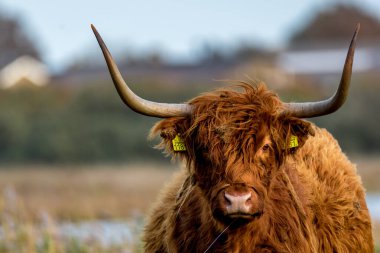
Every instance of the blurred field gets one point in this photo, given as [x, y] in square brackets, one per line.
[37, 201]
[369, 170]
[117, 191]
[86, 192]
[64, 193]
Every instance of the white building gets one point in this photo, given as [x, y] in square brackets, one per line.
[328, 61]
[24, 69]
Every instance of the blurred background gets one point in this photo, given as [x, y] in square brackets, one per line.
[76, 171]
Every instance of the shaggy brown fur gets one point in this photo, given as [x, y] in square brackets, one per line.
[311, 198]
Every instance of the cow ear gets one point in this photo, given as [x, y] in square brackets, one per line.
[301, 129]
[171, 129]
[294, 133]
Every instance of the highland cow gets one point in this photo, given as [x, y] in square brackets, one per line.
[258, 177]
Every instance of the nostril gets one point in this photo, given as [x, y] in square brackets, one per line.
[227, 198]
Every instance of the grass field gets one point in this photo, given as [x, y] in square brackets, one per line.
[64, 193]
[36, 199]
[81, 192]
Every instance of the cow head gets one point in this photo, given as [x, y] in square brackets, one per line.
[235, 139]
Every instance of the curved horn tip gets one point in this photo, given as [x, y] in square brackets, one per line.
[93, 27]
[94, 30]
[357, 27]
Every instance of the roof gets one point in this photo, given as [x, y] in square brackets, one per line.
[24, 68]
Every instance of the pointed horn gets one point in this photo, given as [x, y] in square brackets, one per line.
[136, 103]
[330, 105]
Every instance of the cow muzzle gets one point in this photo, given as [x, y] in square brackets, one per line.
[239, 201]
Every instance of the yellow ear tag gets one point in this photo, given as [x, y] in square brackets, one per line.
[293, 142]
[178, 144]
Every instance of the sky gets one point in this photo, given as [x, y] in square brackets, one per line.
[62, 31]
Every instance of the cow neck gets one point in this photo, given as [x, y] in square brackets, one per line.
[293, 194]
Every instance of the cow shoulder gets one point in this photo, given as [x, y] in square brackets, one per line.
[340, 214]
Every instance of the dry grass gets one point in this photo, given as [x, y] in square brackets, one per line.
[86, 192]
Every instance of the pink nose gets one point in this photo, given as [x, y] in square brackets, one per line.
[238, 203]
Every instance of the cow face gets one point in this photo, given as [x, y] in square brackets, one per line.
[235, 142]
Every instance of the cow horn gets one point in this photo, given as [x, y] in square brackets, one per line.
[136, 103]
[330, 105]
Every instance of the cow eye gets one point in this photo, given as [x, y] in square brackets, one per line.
[265, 147]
